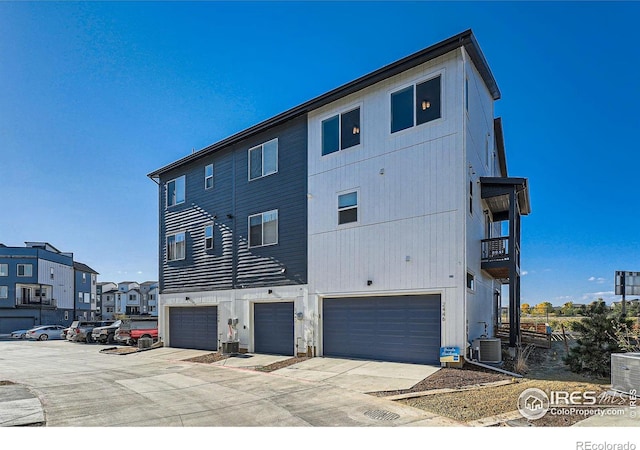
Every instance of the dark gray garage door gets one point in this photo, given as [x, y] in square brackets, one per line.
[195, 328]
[9, 324]
[273, 323]
[399, 329]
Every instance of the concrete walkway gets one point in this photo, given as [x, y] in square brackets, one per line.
[19, 406]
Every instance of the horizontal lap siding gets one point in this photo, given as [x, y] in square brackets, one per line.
[232, 199]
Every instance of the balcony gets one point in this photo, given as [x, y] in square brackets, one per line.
[36, 303]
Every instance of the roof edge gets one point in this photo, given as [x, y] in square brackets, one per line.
[464, 39]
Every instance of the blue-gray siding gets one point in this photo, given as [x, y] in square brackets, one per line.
[400, 328]
[273, 328]
[231, 264]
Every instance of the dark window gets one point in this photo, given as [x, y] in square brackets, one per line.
[175, 191]
[255, 163]
[471, 197]
[350, 133]
[341, 131]
[263, 229]
[428, 101]
[330, 135]
[402, 109]
[347, 208]
[263, 159]
[471, 281]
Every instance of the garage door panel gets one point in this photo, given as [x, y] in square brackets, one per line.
[10, 324]
[399, 328]
[195, 328]
[273, 328]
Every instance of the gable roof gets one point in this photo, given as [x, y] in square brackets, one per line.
[465, 39]
[83, 267]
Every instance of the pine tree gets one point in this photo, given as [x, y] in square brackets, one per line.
[592, 353]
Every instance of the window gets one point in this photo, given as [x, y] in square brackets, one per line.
[341, 131]
[51, 271]
[471, 197]
[132, 297]
[208, 176]
[208, 237]
[471, 281]
[175, 191]
[25, 270]
[347, 208]
[4, 291]
[80, 297]
[66, 315]
[263, 159]
[4, 270]
[408, 109]
[175, 247]
[466, 94]
[263, 229]
[84, 277]
[87, 297]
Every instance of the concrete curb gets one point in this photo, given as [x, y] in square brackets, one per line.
[447, 390]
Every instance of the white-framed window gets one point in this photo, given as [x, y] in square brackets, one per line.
[341, 131]
[4, 291]
[4, 270]
[263, 159]
[208, 176]
[263, 229]
[84, 277]
[208, 237]
[25, 270]
[66, 315]
[347, 207]
[80, 297]
[471, 281]
[51, 272]
[176, 191]
[176, 247]
[87, 297]
[416, 104]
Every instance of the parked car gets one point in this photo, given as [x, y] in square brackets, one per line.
[19, 334]
[123, 333]
[80, 330]
[106, 334]
[63, 334]
[45, 332]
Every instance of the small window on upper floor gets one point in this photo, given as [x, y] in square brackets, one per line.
[415, 104]
[84, 277]
[263, 159]
[208, 237]
[4, 270]
[176, 247]
[176, 191]
[348, 208]
[25, 270]
[51, 272]
[341, 131]
[263, 229]
[208, 176]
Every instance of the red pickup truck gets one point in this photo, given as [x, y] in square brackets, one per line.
[136, 334]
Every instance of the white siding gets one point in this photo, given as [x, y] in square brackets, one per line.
[479, 132]
[410, 236]
[61, 284]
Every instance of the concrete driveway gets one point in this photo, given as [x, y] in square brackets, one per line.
[76, 385]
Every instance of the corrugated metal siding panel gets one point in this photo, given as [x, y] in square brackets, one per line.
[234, 195]
[400, 328]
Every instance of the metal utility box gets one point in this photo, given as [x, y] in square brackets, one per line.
[625, 372]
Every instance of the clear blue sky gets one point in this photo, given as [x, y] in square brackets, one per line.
[93, 96]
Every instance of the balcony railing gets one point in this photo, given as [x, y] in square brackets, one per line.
[36, 302]
[495, 249]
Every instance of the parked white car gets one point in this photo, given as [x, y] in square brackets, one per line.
[44, 332]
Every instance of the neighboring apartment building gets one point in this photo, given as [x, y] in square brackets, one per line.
[85, 291]
[39, 285]
[364, 223]
[106, 299]
[149, 301]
